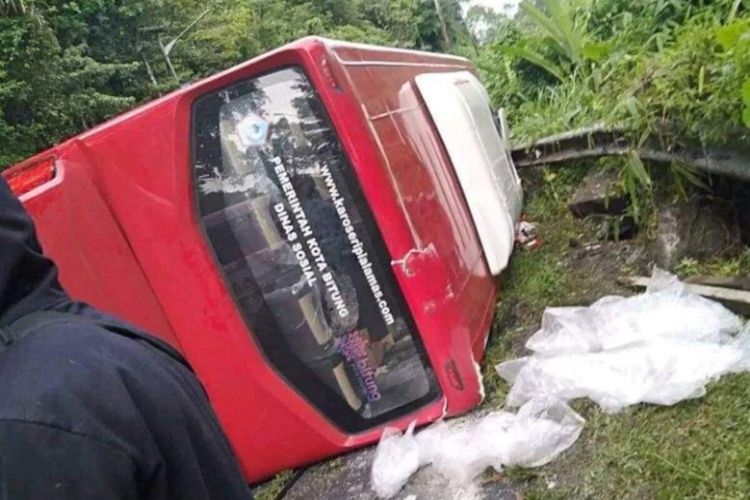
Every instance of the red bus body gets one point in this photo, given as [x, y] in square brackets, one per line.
[120, 220]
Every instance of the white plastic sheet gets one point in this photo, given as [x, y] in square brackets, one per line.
[666, 309]
[461, 450]
[660, 347]
[396, 459]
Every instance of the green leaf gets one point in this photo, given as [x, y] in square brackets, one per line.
[638, 169]
[746, 117]
[746, 92]
[558, 25]
[729, 35]
[548, 24]
[686, 173]
[533, 58]
[733, 10]
[596, 51]
[632, 105]
[560, 14]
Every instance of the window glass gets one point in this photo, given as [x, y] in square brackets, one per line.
[301, 253]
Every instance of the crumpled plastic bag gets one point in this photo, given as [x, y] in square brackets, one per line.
[396, 459]
[666, 309]
[461, 450]
[660, 347]
[662, 371]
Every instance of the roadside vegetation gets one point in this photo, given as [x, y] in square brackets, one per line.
[671, 72]
[693, 450]
[66, 65]
[674, 72]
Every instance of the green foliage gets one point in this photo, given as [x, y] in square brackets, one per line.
[636, 179]
[559, 25]
[691, 89]
[47, 92]
[68, 64]
[562, 46]
[696, 449]
[668, 71]
[273, 488]
[534, 58]
[674, 69]
[14, 7]
[736, 266]
[486, 24]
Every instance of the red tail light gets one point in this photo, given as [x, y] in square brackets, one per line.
[23, 179]
[451, 371]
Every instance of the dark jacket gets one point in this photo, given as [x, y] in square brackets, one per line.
[90, 411]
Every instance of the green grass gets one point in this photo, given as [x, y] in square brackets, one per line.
[540, 278]
[698, 449]
[271, 489]
[725, 266]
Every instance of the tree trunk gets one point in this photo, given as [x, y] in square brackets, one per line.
[444, 27]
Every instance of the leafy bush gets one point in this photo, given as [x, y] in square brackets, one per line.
[672, 71]
[68, 64]
[675, 69]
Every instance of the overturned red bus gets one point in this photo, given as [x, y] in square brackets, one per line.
[317, 230]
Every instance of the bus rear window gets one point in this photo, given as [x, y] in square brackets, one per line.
[300, 251]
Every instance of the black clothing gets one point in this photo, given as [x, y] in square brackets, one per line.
[90, 407]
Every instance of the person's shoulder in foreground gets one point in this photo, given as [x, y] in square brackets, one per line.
[85, 411]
